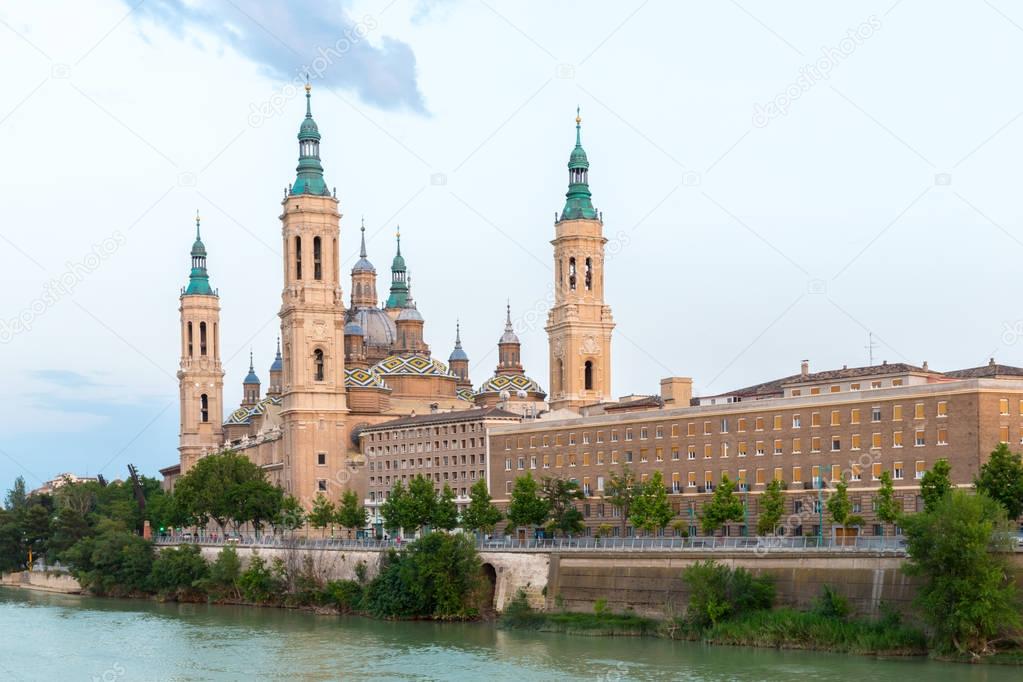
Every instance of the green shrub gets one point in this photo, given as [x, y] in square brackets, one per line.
[519, 614]
[830, 604]
[179, 569]
[112, 562]
[600, 607]
[717, 593]
[346, 595]
[258, 584]
[222, 581]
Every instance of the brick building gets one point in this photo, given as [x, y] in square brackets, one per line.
[807, 430]
[449, 448]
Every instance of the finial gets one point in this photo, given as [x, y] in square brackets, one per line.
[362, 249]
[251, 367]
[578, 118]
[508, 322]
[197, 224]
[308, 97]
[278, 346]
[458, 333]
[578, 125]
[398, 237]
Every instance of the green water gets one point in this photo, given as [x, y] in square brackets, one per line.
[62, 637]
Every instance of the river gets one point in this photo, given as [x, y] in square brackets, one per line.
[64, 637]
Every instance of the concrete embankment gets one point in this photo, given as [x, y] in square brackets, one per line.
[42, 581]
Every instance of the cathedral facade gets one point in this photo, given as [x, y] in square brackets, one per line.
[340, 368]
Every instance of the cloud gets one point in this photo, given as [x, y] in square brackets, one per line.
[287, 40]
[63, 377]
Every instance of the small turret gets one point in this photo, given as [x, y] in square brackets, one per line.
[459, 360]
[276, 372]
[399, 293]
[364, 278]
[578, 200]
[509, 349]
[310, 171]
[199, 279]
[250, 386]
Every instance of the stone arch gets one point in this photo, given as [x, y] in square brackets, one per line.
[489, 585]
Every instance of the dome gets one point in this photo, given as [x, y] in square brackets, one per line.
[409, 314]
[251, 378]
[458, 354]
[308, 130]
[278, 365]
[198, 248]
[578, 158]
[363, 265]
[363, 378]
[353, 329]
[508, 337]
[415, 365]
[377, 326]
[511, 383]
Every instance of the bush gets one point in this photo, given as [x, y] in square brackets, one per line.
[519, 614]
[435, 576]
[600, 607]
[346, 595]
[831, 604]
[257, 583]
[179, 569]
[717, 593]
[112, 562]
[224, 573]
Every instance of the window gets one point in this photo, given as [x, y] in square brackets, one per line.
[741, 426]
[298, 258]
[321, 485]
[588, 374]
[708, 450]
[836, 443]
[318, 365]
[659, 432]
[875, 413]
[760, 448]
[836, 472]
[202, 338]
[797, 474]
[815, 419]
[758, 424]
[1003, 434]
[875, 441]
[643, 433]
[942, 408]
[836, 418]
[546, 461]
[628, 456]
[600, 483]
[674, 430]
[815, 391]
[854, 387]
[815, 475]
[628, 434]
[674, 454]
[676, 482]
[920, 469]
[875, 384]
[571, 439]
[854, 442]
[571, 273]
[691, 429]
[856, 474]
[759, 480]
[875, 472]
[204, 408]
[778, 447]
[918, 411]
[507, 464]
[614, 436]
[897, 471]
[743, 447]
[706, 428]
[692, 452]
[724, 425]
[797, 446]
[815, 444]
[317, 259]
[942, 436]
[896, 439]
[777, 422]
[896, 413]
[919, 440]
[321, 458]
[1003, 406]
[190, 341]
[588, 275]
[854, 416]
[658, 455]
[724, 449]
[896, 382]
[778, 473]
[795, 421]
[691, 479]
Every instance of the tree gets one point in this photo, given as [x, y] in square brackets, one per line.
[527, 508]
[959, 550]
[255, 501]
[445, 513]
[723, 507]
[323, 513]
[1001, 478]
[651, 510]
[351, 514]
[204, 493]
[395, 508]
[16, 496]
[620, 491]
[290, 516]
[887, 508]
[422, 504]
[561, 495]
[772, 507]
[840, 507]
[481, 515]
[935, 484]
[178, 569]
[69, 526]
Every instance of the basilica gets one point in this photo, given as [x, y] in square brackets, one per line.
[342, 366]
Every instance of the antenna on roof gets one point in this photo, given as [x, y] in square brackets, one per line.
[870, 347]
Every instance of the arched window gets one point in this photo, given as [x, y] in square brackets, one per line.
[298, 258]
[588, 375]
[559, 376]
[561, 273]
[202, 338]
[204, 408]
[189, 339]
[317, 259]
[588, 277]
[318, 364]
[571, 273]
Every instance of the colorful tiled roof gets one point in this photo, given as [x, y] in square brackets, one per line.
[510, 382]
[361, 378]
[420, 365]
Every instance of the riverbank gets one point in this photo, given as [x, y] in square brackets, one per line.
[41, 581]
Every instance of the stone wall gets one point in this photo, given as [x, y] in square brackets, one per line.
[42, 581]
[330, 564]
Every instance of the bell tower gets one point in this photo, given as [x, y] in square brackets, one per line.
[312, 327]
[579, 324]
[200, 375]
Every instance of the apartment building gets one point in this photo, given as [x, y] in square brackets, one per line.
[807, 430]
[449, 448]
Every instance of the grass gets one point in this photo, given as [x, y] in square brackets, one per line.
[520, 615]
[789, 629]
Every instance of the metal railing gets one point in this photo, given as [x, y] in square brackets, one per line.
[758, 545]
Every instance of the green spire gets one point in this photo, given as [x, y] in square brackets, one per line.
[399, 279]
[310, 171]
[578, 202]
[199, 279]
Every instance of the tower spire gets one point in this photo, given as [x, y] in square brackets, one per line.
[199, 278]
[399, 278]
[362, 247]
[578, 200]
[310, 171]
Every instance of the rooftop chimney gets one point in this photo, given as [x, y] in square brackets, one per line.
[804, 368]
[925, 365]
[677, 391]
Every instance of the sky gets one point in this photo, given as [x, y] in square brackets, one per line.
[779, 182]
